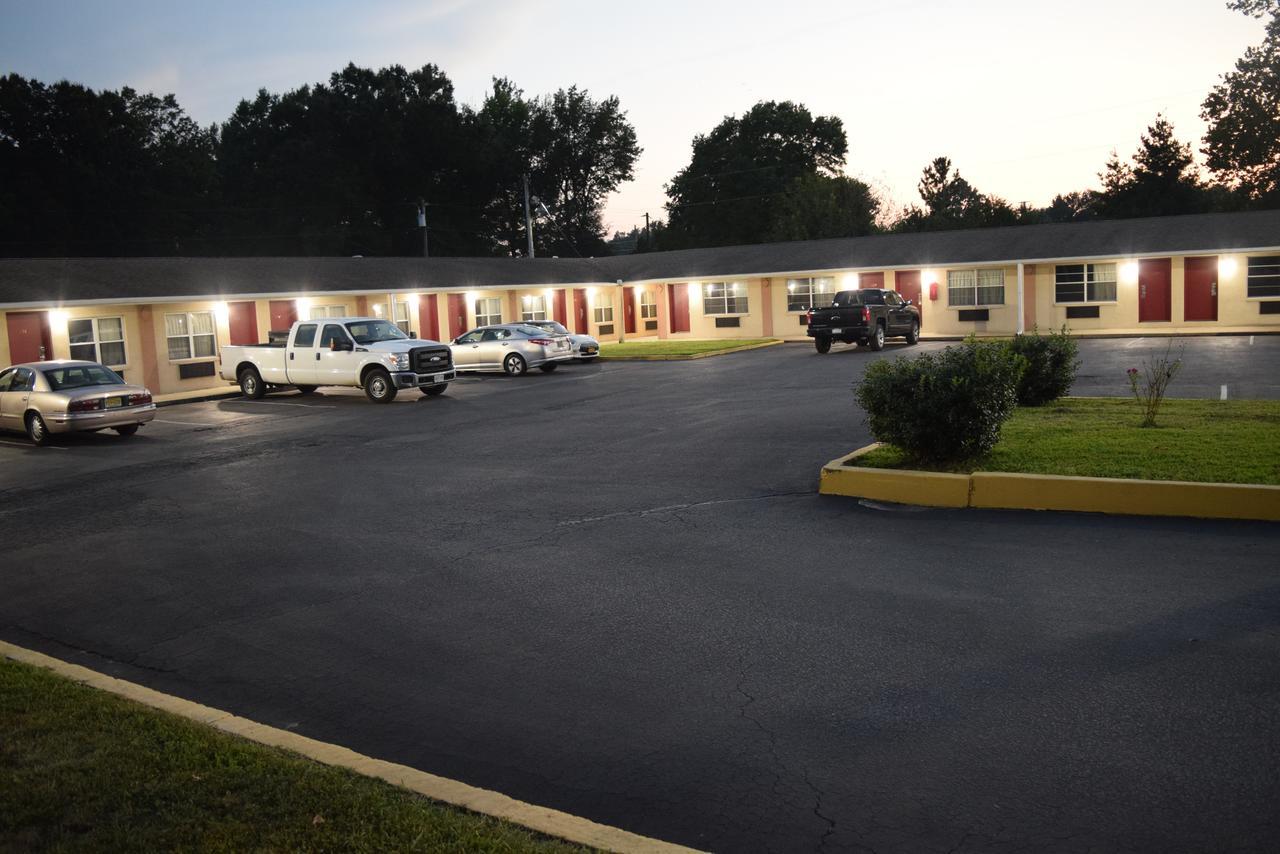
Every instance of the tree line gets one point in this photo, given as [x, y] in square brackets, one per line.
[342, 167]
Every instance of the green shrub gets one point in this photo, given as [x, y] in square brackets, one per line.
[945, 407]
[1051, 366]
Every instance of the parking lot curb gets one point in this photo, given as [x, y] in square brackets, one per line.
[1018, 491]
[691, 356]
[541, 819]
[210, 394]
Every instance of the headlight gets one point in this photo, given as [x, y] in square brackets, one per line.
[399, 361]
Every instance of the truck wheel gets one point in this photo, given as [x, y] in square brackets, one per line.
[876, 342]
[378, 386]
[37, 432]
[433, 390]
[822, 345]
[127, 430]
[548, 367]
[514, 365]
[913, 337]
[251, 384]
[306, 389]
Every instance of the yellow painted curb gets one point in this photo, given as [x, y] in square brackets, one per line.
[1018, 491]
[543, 820]
[1119, 495]
[688, 357]
[930, 489]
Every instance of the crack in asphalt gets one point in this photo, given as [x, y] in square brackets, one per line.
[93, 652]
[676, 508]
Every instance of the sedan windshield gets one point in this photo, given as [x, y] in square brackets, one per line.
[373, 331]
[80, 376]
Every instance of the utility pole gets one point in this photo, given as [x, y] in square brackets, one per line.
[647, 235]
[422, 224]
[528, 220]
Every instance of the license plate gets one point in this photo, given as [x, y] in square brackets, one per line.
[836, 331]
[115, 402]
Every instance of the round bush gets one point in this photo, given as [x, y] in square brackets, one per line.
[1051, 366]
[946, 407]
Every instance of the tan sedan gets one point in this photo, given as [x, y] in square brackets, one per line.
[42, 398]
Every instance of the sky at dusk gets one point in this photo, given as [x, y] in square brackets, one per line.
[1027, 98]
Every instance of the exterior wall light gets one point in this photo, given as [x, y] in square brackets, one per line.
[693, 289]
[58, 318]
[1129, 271]
[1227, 266]
[850, 281]
[414, 301]
[304, 305]
[377, 309]
[221, 312]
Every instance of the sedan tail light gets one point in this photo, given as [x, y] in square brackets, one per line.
[85, 405]
[545, 342]
[140, 399]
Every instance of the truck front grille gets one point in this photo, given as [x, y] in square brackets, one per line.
[431, 360]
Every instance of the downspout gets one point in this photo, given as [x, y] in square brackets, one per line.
[1022, 318]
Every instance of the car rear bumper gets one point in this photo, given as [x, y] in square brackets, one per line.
[71, 422]
[412, 380]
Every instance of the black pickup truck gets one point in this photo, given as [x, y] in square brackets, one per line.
[866, 316]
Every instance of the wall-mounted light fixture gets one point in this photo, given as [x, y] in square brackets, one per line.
[1129, 272]
[1227, 266]
[304, 305]
[58, 318]
[221, 312]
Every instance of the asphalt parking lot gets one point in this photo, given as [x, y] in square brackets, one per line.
[612, 590]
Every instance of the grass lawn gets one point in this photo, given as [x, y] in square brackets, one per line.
[1232, 441]
[83, 770]
[676, 348]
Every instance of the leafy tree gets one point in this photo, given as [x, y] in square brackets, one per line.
[1162, 179]
[818, 206]
[339, 168]
[1071, 207]
[753, 178]
[576, 150]
[100, 173]
[952, 202]
[1242, 144]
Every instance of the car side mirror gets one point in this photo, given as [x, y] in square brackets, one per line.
[336, 345]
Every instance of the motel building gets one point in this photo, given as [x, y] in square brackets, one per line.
[163, 321]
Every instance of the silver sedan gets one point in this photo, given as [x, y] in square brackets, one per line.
[512, 348]
[584, 346]
[43, 398]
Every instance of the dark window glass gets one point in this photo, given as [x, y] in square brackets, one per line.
[6, 379]
[80, 376]
[23, 380]
[1264, 276]
[847, 298]
[306, 336]
[332, 332]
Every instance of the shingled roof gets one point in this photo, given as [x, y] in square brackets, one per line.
[45, 281]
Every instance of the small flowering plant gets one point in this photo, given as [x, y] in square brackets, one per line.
[1150, 384]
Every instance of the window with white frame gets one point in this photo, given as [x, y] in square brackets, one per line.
[190, 335]
[97, 339]
[1263, 278]
[602, 307]
[320, 312]
[533, 308]
[648, 305]
[724, 298]
[488, 311]
[402, 316]
[1085, 283]
[804, 294]
[975, 287]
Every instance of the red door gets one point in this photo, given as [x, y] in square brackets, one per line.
[242, 319]
[457, 315]
[678, 301]
[284, 313]
[580, 316]
[871, 280]
[908, 285]
[29, 336]
[629, 309]
[1200, 291]
[428, 317]
[1155, 285]
[560, 308]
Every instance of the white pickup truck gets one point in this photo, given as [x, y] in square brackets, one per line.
[360, 352]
